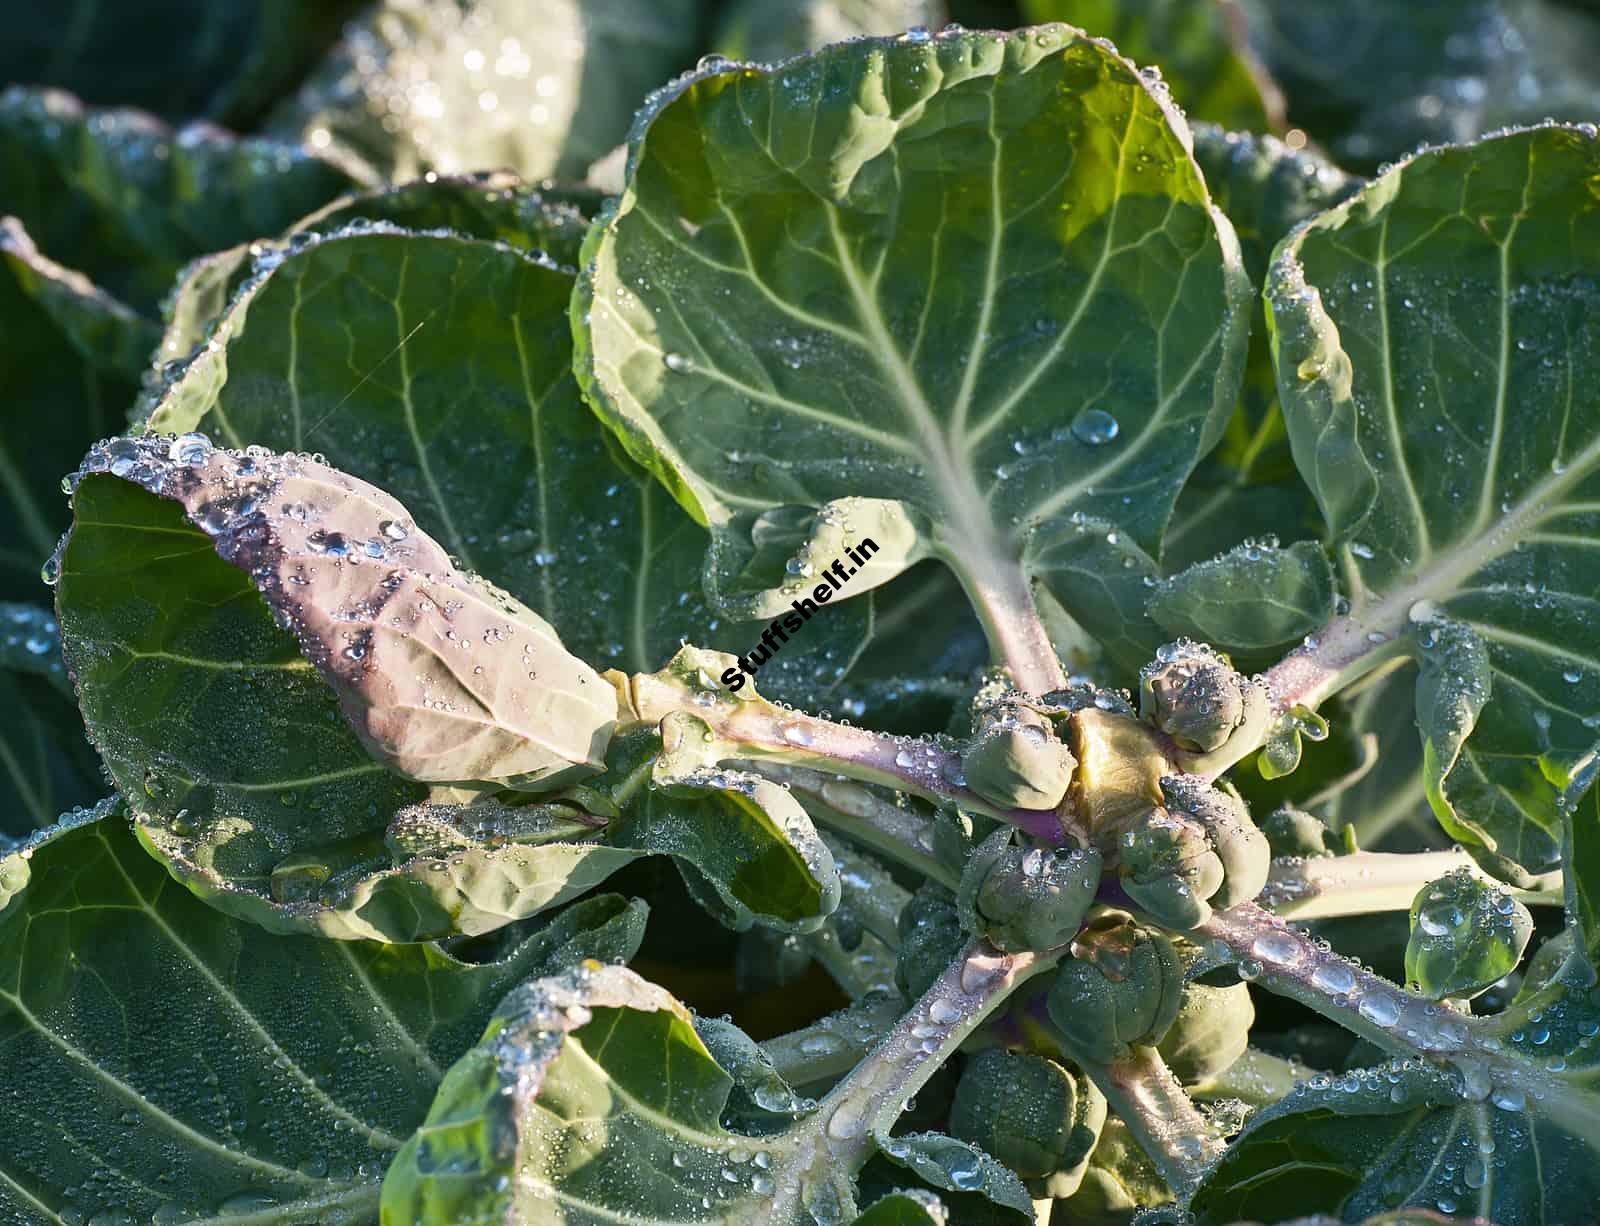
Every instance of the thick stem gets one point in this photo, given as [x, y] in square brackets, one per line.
[1293, 964]
[1347, 649]
[866, 817]
[761, 731]
[867, 1102]
[1369, 881]
[1003, 600]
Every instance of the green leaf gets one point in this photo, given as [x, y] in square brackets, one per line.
[46, 765]
[1255, 596]
[1248, 486]
[164, 1062]
[1465, 936]
[1429, 340]
[591, 1097]
[181, 58]
[70, 357]
[1376, 80]
[1199, 47]
[543, 87]
[1416, 1134]
[769, 30]
[129, 200]
[353, 334]
[908, 1208]
[795, 301]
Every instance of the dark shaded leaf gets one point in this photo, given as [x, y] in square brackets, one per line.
[164, 1061]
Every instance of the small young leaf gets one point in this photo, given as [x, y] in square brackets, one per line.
[1465, 936]
[1254, 597]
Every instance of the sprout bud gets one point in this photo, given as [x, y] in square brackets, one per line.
[1122, 987]
[1031, 1113]
[1294, 832]
[1169, 869]
[1211, 1031]
[1027, 898]
[1015, 760]
[1243, 850]
[1199, 700]
[930, 938]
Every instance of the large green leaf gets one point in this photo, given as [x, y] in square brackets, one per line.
[1432, 347]
[226, 733]
[179, 58]
[974, 276]
[543, 87]
[46, 765]
[128, 200]
[1373, 81]
[165, 1063]
[363, 344]
[1199, 46]
[591, 1099]
[70, 357]
[775, 29]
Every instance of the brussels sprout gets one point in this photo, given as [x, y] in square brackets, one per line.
[1465, 936]
[1294, 832]
[1027, 898]
[1038, 1118]
[1199, 700]
[1211, 1031]
[1245, 854]
[1015, 761]
[1169, 868]
[1122, 986]
[930, 937]
[1120, 765]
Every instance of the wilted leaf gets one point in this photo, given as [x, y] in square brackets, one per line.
[70, 357]
[796, 301]
[543, 87]
[1430, 339]
[127, 200]
[46, 765]
[354, 336]
[164, 1062]
[769, 30]
[1199, 46]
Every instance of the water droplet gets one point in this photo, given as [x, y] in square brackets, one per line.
[943, 1013]
[1094, 427]
[677, 363]
[1277, 947]
[1379, 1009]
[1334, 977]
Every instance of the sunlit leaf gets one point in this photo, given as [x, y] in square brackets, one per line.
[771, 30]
[796, 300]
[1430, 341]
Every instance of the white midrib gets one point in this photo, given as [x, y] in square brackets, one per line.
[1346, 645]
[971, 532]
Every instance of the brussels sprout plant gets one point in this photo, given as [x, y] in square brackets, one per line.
[760, 679]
